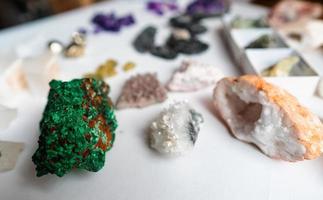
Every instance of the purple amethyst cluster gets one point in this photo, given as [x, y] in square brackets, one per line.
[110, 22]
[160, 7]
[207, 7]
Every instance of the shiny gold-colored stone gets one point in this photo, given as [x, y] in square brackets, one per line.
[128, 66]
[106, 71]
[111, 63]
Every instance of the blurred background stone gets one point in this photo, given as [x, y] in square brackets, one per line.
[13, 12]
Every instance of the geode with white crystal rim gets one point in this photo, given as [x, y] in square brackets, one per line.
[176, 129]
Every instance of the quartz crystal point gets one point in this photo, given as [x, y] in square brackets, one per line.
[13, 79]
[40, 70]
[176, 129]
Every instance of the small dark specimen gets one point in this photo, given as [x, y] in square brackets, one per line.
[191, 46]
[190, 23]
[164, 52]
[193, 125]
[144, 42]
[175, 44]
[207, 8]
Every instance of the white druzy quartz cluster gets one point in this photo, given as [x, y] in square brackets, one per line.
[176, 129]
[193, 76]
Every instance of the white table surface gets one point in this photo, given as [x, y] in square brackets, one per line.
[220, 167]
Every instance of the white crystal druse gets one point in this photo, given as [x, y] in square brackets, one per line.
[176, 129]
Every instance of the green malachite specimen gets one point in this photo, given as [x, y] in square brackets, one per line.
[77, 128]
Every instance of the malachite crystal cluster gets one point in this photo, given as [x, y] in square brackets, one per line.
[77, 128]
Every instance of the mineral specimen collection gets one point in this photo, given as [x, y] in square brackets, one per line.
[174, 45]
[77, 128]
[176, 129]
[184, 37]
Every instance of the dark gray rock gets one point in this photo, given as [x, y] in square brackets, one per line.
[191, 46]
[164, 52]
[144, 42]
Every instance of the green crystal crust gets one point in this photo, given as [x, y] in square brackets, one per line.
[77, 128]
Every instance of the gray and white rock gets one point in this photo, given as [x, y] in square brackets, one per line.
[193, 75]
[176, 129]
